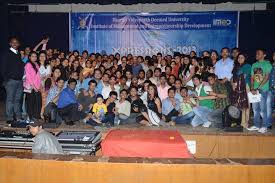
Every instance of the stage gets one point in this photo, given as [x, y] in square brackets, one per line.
[203, 142]
[219, 156]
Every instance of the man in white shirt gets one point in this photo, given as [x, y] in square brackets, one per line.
[110, 87]
[123, 108]
[155, 79]
[105, 85]
[163, 87]
[224, 67]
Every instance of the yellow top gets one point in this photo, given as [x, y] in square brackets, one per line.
[99, 108]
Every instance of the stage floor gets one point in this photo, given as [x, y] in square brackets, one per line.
[184, 129]
[203, 142]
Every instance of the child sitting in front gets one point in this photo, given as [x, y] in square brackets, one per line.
[98, 111]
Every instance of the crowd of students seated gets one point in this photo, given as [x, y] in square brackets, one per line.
[107, 90]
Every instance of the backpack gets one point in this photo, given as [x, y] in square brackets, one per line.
[231, 118]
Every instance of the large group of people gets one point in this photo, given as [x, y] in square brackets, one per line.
[107, 90]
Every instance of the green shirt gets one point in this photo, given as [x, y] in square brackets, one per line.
[186, 107]
[258, 72]
[246, 71]
[203, 91]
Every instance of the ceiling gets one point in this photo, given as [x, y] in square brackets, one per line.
[129, 2]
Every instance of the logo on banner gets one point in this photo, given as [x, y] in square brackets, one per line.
[221, 22]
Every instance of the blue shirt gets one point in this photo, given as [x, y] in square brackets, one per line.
[67, 97]
[136, 69]
[178, 96]
[52, 94]
[167, 106]
[77, 87]
[99, 87]
[85, 85]
[25, 59]
[223, 68]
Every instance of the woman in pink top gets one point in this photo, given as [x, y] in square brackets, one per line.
[32, 87]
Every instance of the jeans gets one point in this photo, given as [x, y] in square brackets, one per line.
[122, 117]
[14, 91]
[201, 113]
[215, 117]
[24, 110]
[273, 99]
[263, 109]
[133, 118]
[109, 118]
[184, 119]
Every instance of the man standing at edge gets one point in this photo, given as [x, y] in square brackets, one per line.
[12, 70]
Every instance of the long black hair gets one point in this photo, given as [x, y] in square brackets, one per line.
[155, 91]
[237, 66]
[29, 60]
[185, 67]
[46, 60]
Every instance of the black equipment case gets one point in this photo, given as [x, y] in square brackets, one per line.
[72, 142]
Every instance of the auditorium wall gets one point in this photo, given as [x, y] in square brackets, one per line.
[257, 29]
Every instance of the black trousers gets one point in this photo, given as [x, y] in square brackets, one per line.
[33, 104]
[171, 114]
[51, 113]
[70, 113]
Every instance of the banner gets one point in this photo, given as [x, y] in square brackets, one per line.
[150, 33]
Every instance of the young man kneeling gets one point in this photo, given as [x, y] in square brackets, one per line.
[44, 142]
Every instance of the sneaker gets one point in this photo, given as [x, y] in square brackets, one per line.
[262, 130]
[207, 124]
[253, 128]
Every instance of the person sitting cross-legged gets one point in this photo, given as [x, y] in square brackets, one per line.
[98, 112]
[110, 115]
[87, 98]
[138, 109]
[69, 109]
[50, 112]
[205, 101]
[170, 106]
[123, 108]
[186, 113]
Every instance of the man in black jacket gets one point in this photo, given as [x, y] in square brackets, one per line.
[12, 71]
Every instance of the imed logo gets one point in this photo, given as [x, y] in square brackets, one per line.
[221, 22]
